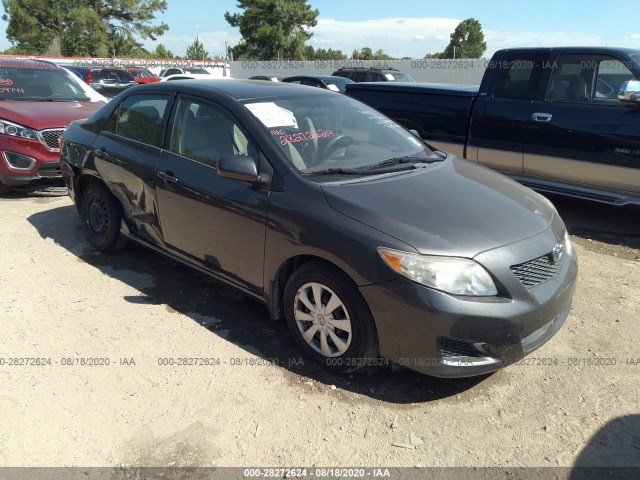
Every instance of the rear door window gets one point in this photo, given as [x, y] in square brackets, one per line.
[518, 81]
[139, 118]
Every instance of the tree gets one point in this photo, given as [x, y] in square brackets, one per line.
[80, 27]
[367, 53]
[196, 51]
[161, 52]
[329, 54]
[322, 54]
[122, 44]
[272, 29]
[467, 41]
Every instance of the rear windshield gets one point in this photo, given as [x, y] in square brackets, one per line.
[141, 73]
[113, 76]
[54, 84]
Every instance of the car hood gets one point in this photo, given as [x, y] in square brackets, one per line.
[41, 115]
[452, 207]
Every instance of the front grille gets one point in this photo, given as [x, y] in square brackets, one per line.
[451, 347]
[50, 170]
[50, 137]
[536, 271]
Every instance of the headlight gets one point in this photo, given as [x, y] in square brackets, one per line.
[458, 276]
[15, 130]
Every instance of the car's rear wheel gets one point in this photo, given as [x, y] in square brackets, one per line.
[101, 216]
[329, 319]
[4, 188]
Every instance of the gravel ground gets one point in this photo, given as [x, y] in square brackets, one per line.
[574, 402]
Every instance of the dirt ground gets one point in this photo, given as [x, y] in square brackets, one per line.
[107, 327]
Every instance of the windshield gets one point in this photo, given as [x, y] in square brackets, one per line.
[333, 132]
[55, 84]
[340, 82]
[402, 77]
[196, 70]
[636, 57]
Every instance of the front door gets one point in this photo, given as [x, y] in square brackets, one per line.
[213, 221]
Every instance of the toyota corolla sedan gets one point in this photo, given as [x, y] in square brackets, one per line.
[367, 242]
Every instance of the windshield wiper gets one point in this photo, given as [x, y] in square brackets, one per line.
[336, 171]
[405, 159]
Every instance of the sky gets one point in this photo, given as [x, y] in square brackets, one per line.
[413, 28]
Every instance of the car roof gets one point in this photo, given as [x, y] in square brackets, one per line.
[319, 77]
[186, 76]
[379, 69]
[236, 89]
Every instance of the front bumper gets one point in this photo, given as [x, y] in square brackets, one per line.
[453, 336]
[44, 164]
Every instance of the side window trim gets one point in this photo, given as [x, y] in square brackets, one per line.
[114, 130]
[237, 126]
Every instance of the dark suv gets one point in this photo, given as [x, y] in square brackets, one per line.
[108, 81]
[372, 74]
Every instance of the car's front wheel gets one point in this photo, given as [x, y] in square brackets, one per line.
[101, 216]
[4, 188]
[329, 319]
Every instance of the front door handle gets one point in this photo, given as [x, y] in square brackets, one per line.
[542, 117]
[167, 176]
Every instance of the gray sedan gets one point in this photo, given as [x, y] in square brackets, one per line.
[371, 245]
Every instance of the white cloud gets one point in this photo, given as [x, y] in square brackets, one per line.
[507, 39]
[403, 37]
[396, 36]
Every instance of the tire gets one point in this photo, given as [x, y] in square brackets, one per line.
[4, 188]
[101, 217]
[350, 337]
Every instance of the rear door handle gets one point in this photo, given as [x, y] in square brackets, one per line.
[167, 176]
[542, 117]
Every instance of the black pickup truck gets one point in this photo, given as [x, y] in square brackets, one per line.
[559, 120]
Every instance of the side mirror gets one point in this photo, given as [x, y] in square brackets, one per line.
[630, 92]
[238, 167]
[415, 132]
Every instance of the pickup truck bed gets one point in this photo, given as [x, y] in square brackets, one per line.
[439, 112]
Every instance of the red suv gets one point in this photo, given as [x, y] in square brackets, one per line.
[38, 101]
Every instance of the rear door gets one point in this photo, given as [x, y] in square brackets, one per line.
[499, 122]
[212, 221]
[126, 155]
[580, 133]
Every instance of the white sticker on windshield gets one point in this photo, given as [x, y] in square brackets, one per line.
[332, 87]
[271, 115]
[389, 77]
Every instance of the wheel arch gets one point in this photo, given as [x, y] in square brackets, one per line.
[81, 183]
[275, 300]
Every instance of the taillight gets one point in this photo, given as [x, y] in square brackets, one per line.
[89, 78]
